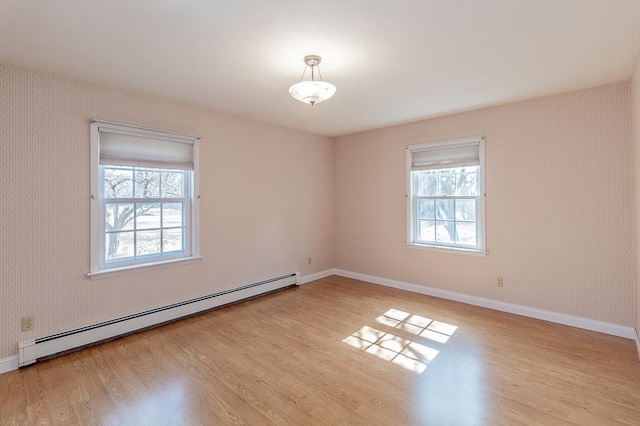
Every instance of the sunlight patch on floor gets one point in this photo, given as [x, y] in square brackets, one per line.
[418, 325]
[154, 407]
[405, 351]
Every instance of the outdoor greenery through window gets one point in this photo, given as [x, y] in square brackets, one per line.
[445, 195]
[143, 208]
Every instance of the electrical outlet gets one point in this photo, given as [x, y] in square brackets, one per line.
[309, 261]
[27, 323]
[499, 282]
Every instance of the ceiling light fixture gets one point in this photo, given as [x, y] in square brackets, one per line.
[312, 91]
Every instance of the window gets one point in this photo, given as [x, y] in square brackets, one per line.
[143, 185]
[445, 195]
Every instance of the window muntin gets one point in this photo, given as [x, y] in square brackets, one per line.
[445, 195]
[145, 214]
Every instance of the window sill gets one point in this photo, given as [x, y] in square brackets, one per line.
[134, 269]
[453, 250]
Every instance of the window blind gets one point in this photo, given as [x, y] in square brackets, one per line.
[439, 157]
[129, 146]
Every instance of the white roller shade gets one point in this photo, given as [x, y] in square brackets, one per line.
[445, 157]
[124, 146]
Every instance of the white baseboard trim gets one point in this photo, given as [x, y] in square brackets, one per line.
[32, 350]
[635, 332]
[12, 362]
[318, 275]
[556, 317]
[8, 364]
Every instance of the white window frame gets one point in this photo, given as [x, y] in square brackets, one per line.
[99, 267]
[411, 207]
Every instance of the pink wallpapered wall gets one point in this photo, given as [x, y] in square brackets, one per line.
[558, 206]
[266, 204]
[635, 119]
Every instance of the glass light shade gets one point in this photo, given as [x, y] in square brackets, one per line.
[312, 92]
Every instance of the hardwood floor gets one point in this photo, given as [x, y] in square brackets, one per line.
[337, 351]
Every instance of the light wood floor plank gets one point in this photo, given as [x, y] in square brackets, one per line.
[283, 359]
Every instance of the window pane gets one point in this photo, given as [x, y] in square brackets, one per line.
[172, 215]
[172, 184]
[426, 209]
[148, 215]
[172, 240]
[444, 209]
[118, 182]
[147, 183]
[118, 245]
[466, 233]
[447, 184]
[427, 230]
[147, 242]
[465, 209]
[118, 216]
[426, 183]
[445, 232]
[467, 184]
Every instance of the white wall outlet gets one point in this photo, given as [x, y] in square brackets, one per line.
[499, 282]
[27, 323]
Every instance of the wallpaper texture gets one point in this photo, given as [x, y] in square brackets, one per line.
[558, 205]
[635, 119]
[266, 204]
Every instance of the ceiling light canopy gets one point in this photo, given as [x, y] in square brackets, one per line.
[312, 91]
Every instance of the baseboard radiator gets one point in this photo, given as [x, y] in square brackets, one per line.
[33, 350]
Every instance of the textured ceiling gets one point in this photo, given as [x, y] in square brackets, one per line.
[392, 62]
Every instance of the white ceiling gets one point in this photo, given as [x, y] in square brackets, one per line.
[392, 61]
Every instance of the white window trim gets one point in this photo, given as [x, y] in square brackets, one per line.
[96, 270]
[126, 270]
[480, 212]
